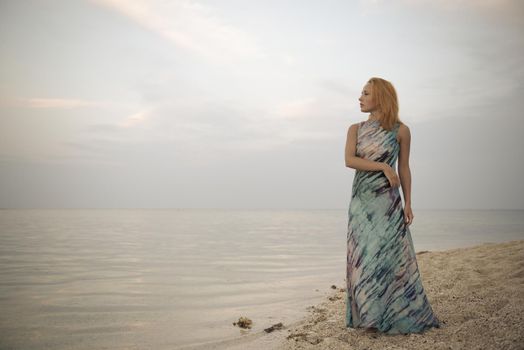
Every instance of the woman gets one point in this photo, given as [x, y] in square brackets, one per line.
[384, 288]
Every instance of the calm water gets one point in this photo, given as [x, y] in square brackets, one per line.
[164, 279]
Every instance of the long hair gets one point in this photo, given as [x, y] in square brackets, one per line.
[385, 98]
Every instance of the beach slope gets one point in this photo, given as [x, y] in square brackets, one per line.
[476, 292]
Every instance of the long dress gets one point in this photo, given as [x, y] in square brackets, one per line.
[384, 288]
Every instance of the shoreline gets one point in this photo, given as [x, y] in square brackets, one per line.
[476, 292]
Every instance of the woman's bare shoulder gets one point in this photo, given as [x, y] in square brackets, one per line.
[354, 127]
[403, 127]
[403, 132]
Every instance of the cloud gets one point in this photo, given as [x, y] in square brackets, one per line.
[500, 10]
[136, 118]
[486, 5]
[296, 109]
[54, 103]
[313, 111]
[339, 87]
[190, 26]
[191, 127]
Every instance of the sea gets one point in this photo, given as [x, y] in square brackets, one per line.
[174, 278]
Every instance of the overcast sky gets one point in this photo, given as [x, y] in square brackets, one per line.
[246, 104]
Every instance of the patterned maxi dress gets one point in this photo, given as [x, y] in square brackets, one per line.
[384, 288]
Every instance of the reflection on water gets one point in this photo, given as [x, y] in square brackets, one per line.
[165, 278]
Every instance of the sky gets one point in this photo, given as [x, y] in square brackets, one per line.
[240, 104]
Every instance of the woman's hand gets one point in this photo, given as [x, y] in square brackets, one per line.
[392, 176]
[408, 214]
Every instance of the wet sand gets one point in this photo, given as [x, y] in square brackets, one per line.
[476, 292]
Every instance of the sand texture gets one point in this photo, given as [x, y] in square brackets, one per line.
[477, 293]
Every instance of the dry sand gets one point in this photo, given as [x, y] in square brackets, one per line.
[477, 293]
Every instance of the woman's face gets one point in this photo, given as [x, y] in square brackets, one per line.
[366, 99]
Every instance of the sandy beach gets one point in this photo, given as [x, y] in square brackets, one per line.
[477, 293]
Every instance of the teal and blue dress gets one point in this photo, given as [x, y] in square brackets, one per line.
[384, 287]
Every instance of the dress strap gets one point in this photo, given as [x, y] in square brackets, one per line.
[359, 126]
[396, 127]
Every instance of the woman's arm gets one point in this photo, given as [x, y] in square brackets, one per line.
[403, 162]
[352, 161]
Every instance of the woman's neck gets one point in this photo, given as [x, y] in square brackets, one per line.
[374, 116]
